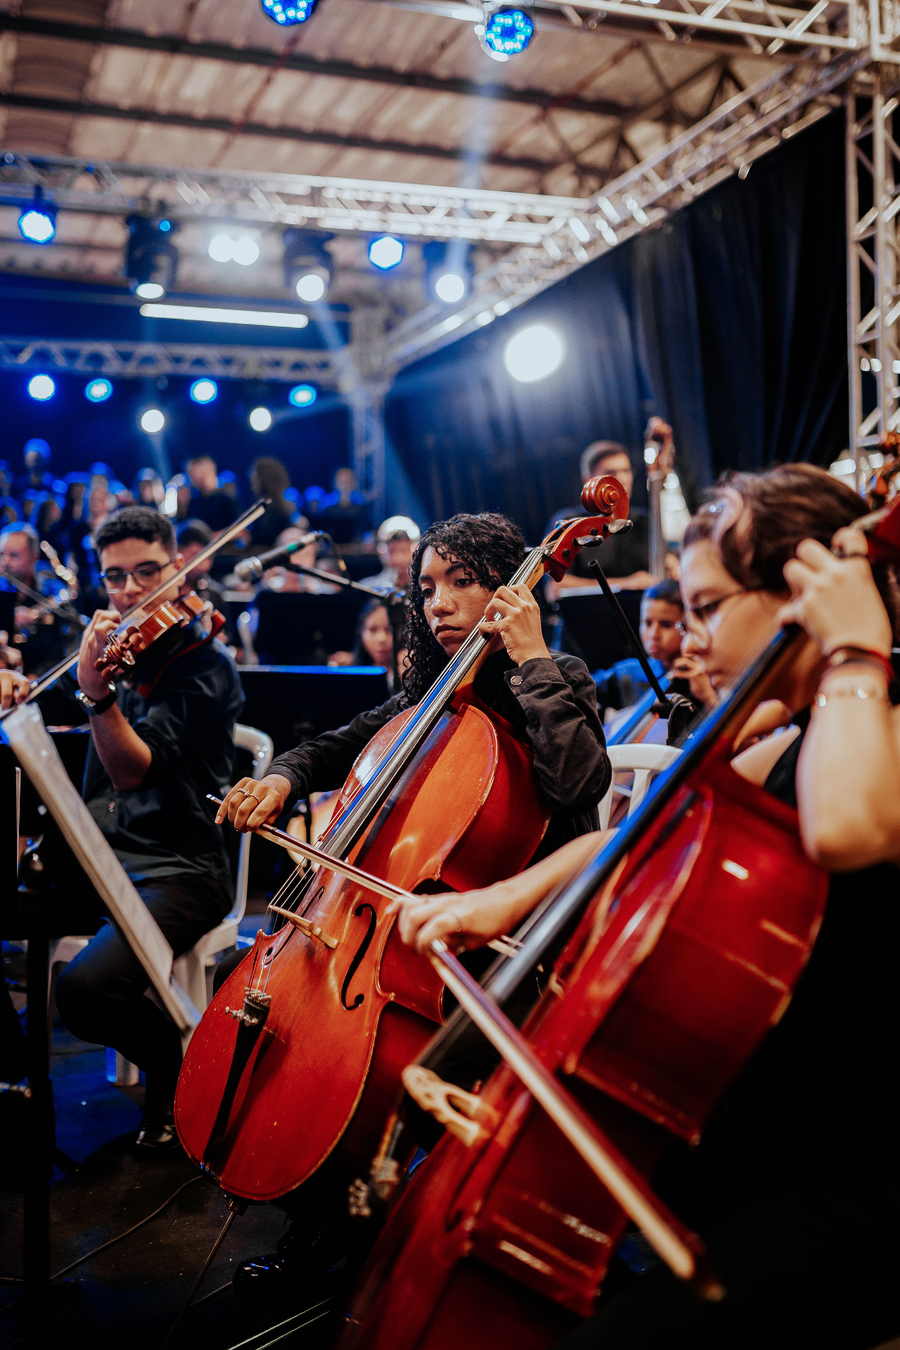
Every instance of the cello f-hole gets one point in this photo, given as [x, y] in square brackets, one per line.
[363, 948]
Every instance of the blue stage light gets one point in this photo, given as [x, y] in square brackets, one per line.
[97, 391]
[386, 252]
[165, 226]
[508, 32]
[37, 222]
[41, 387]
[287, 12]
[204, 391]
[303, 396]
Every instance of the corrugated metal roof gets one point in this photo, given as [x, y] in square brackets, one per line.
[213, 107]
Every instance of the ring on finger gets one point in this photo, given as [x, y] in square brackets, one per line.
[243, 791]
[254, 796]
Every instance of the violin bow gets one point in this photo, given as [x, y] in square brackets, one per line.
[249, 516]
[505, 945]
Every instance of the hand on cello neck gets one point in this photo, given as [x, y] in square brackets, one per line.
[513, 615]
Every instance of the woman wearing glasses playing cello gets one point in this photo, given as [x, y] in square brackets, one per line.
[794, 1186]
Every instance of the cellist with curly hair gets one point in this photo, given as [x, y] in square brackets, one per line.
[456, 584]
[548, 700]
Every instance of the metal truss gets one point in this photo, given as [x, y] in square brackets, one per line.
[348, 205]
[760, 27]
[726, 142]
[873, 204]
[132, 359]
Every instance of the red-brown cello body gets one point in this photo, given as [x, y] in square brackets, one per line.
[702, 918]
[303, 1045]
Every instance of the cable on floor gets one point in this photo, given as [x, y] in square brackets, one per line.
[128, 1231]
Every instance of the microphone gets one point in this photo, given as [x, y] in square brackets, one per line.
[251, 569]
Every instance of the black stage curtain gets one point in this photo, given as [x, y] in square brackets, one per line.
[729, 321]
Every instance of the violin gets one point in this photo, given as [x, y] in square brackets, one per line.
[305, 1041]
[684, 939]
[130, 641]
[237, 527]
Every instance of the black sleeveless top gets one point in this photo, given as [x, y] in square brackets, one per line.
[814, 1110]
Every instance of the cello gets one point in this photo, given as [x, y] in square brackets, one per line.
[305, 1040]
[685, 938]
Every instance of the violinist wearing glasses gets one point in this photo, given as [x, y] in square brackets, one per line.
[160, 741]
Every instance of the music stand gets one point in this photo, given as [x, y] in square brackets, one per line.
[294, 703]
[590, 629]
[298, 629]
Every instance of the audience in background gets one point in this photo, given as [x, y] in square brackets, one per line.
[37, 477]
[149, 489]
[192, 537]
[269, 478]
[396, 539]
[46, 518]
[68, 512]
[343, 513]
[208, 502]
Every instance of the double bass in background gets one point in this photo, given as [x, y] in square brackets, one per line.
[682, 1009]
[301, 1049]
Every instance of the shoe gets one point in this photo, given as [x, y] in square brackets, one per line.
[157, 1133]
[302, 1261]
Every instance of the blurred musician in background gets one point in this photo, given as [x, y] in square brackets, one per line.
[625, 557]
[43, 634]
[396, 539]
[661, 631]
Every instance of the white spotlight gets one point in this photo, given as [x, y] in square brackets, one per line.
[150, 290]
[450, 288]
[221, 248]
[152, 421]
[534, 353]
[260, 419]
[310, 287]
[246, 251]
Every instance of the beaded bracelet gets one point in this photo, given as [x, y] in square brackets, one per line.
[844, 655]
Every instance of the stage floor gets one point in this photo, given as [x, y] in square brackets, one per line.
[129, 1294]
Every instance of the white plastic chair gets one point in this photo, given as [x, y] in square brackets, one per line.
[645, 761]
[190, 969]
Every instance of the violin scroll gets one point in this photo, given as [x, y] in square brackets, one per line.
[607, 502]
[601, 496]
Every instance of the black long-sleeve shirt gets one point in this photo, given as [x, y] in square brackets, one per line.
[166, 827]
[550, 702]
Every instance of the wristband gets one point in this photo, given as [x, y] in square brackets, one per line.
[101, 705]
[843, 655]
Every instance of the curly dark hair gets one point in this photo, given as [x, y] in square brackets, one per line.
[491, 547]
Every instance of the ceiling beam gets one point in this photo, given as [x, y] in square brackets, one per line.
[76, 108]
[306, 65]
